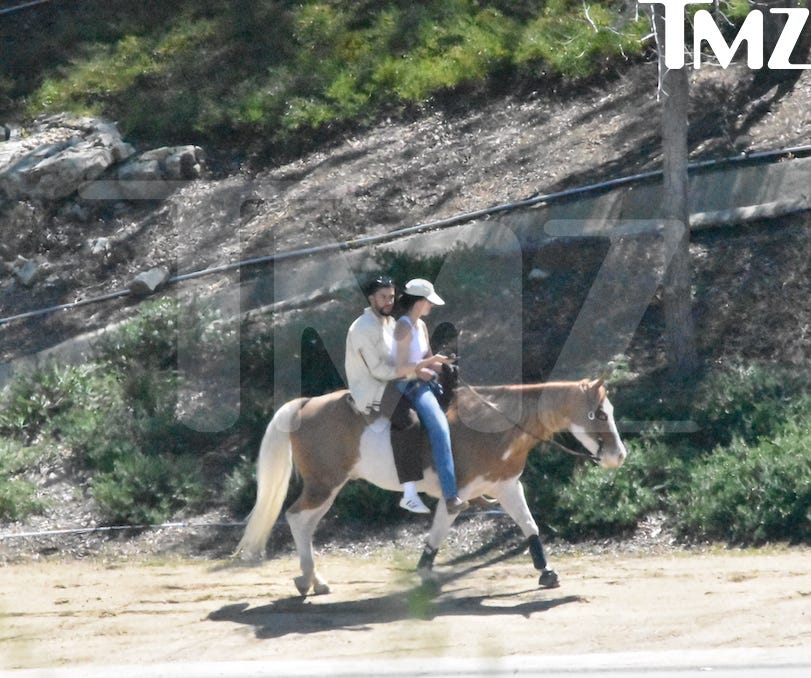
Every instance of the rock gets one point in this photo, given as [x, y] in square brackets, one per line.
[58, 155]
[538, 274]
[149, 282]
[62, 154]
[27, 271]
[99, 246]
[153, 175]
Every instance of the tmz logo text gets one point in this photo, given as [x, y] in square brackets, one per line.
[751, 32]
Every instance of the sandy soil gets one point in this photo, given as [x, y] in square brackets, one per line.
[92, 612]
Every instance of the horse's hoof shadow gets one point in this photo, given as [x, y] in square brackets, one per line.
[549, 580]
[429, 588]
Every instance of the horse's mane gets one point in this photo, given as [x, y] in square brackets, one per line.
[512, 405]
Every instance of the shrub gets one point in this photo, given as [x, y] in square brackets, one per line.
[747, 402]
[34, 398]
[278, 72]
[145, 489]
[18, 499]
[751, 493]
[18, 495]
[239, 489]
[600, 503]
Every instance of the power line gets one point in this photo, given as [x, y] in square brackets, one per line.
[457, 220]
[113, 528]
[25, 5]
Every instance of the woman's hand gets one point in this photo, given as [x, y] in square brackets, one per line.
[429, 367]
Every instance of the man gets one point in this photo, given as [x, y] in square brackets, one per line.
[370, 373]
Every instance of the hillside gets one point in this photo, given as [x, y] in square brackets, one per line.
[477, 153]
[478, 148]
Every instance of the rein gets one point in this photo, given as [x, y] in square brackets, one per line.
[585, 454]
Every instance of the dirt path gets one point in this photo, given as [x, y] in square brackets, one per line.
[80, 612]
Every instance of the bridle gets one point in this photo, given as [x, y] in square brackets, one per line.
[599, 413]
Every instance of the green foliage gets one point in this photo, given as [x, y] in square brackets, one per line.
[36, 396]
[751, 493]
[748, 402]
[148, 489]
[574, 39]
[239, 490]
[274, 73]
[18, 495]
[743, 477]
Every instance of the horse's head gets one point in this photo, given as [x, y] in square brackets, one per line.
[591, 420]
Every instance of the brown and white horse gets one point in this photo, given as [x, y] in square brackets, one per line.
[493, 429]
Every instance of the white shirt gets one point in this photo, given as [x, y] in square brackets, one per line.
[418, 347]
[368, 362]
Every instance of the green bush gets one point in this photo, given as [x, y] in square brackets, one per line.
[18, 499]
[144, 489]
[35, 397]
[751, 493]
[239, 490]
[748, 402]
[18, 495]
[280, 75]
[599, 503]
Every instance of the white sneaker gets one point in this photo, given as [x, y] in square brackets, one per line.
[414, 505]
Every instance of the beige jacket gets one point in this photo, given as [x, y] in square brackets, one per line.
[369, 364]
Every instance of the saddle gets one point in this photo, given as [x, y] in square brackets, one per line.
[408, 440]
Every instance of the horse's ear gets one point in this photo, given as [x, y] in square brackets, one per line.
[596, 384]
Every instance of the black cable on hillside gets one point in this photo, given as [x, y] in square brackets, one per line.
[457, 220]
[22, 6]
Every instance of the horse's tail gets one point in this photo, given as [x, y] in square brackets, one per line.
[273, 471]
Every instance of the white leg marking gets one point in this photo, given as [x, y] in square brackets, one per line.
[511, 496]
[302, 526]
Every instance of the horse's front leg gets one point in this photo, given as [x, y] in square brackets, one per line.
[514, 502]
[439, 532]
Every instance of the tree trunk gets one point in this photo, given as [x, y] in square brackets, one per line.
[678, 297]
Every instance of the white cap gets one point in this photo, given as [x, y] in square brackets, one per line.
[418, 287]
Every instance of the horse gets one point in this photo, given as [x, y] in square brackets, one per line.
[493, 430]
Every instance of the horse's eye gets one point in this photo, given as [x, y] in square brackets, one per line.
[601, 415]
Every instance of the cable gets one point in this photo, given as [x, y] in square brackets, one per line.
[112, 528]
[25, 5]
[448, 222]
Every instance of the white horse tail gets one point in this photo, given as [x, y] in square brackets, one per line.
[273, 471]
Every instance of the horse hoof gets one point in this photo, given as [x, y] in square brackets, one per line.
[549, 579]
[321, 588]
[302, 584]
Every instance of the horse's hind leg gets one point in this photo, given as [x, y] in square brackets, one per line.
[303, 518]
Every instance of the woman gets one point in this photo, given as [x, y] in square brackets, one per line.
[412, 347]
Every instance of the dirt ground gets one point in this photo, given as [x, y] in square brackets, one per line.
[95, 612]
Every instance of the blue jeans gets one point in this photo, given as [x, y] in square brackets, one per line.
[421, 396]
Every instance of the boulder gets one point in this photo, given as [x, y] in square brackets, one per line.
[27, 271]
[149, 282]
[57, 156]
[152, 175]
[61, 155]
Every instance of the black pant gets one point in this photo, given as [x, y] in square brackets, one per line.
[405, 434]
